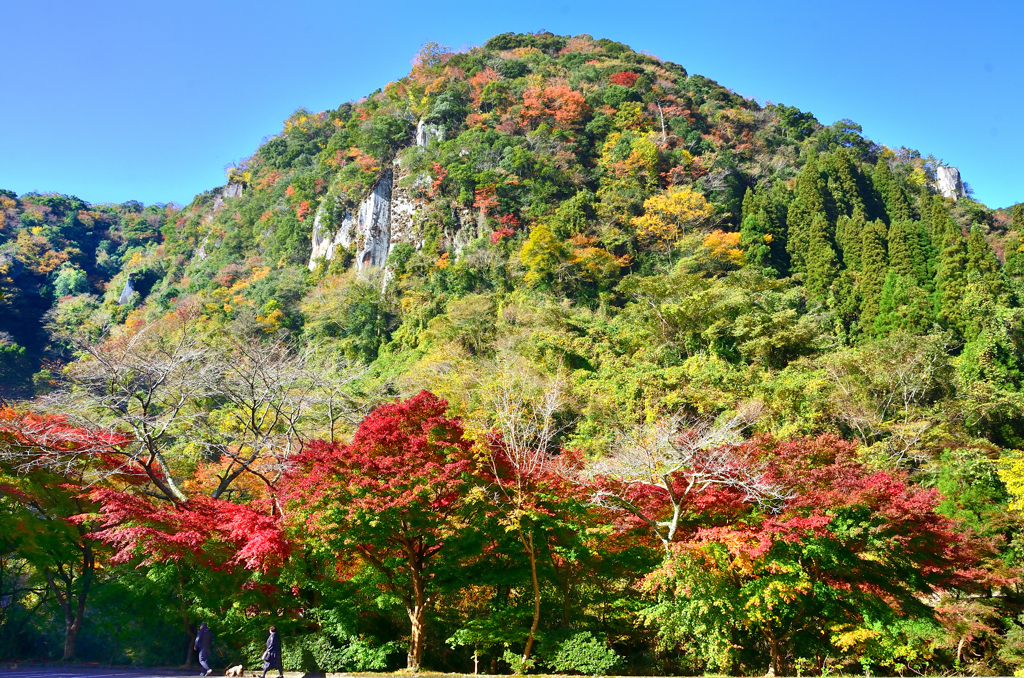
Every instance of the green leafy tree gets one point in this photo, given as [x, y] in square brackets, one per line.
[763, 233]
[982, 262]
[896, 204]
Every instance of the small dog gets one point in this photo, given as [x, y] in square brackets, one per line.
[235, 671]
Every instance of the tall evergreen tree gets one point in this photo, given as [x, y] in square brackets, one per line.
[896, 204]
[822, 262]
[809, 202]
[982, 261]
[902, 305]
[844, 183]
[874, 266]
[951, 269]
[763, 233]
[906, 254]
[849, 232]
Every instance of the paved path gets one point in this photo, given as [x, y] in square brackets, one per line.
[92, 672]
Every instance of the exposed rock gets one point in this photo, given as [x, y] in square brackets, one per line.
[949, 184]
[369, 231]
[233, 190]
[425, 132]
[126, 293]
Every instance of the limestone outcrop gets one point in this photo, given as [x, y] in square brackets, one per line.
[385, 217]
[126, 293]
[947, 180]
[425, 132]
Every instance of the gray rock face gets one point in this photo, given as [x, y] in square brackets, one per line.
[233, 191]
[425, 132]
[370, 230]
[948, 182]
[126, 293]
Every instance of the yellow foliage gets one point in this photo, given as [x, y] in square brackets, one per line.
[724, 247]
[542, 253]
[1011, 472]
[668, 215]
[629, 116]
[7, 203]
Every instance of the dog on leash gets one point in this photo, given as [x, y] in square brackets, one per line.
[235, 671]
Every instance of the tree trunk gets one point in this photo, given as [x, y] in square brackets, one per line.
[532, 552]
[74, 610]
[415, 656]
[773, 644]
[417, 614]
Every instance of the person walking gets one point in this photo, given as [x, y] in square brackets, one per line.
[203, 639]
[272, 657]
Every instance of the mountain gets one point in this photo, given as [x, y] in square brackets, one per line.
[647, 228]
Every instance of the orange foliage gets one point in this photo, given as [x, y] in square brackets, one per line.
[485, 200]
[581, 45]
[724, 247]
[558, 105]
[302, 210]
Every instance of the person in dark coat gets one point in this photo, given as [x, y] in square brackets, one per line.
[272, 657]
[203, 639]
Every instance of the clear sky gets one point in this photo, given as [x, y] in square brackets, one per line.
[114, 100]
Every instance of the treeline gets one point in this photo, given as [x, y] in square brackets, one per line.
[685, 549]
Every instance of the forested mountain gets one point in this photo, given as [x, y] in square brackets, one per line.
[685, 383]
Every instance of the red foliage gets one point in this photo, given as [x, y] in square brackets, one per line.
[485, 199]
[214, 532]
[404, 455]
[624, 78]
[496, 236]
[439, 173]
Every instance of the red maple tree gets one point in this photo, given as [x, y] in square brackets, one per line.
[394, 499]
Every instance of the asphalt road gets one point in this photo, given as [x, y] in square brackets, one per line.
[92, 672]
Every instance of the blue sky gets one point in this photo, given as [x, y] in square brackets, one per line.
[113, 101]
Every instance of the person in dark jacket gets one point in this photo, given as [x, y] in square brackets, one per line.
[272, 657]
[203, 639]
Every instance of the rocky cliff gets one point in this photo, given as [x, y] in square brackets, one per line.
[947, 180]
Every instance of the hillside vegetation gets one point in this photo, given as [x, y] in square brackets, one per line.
[685, 383]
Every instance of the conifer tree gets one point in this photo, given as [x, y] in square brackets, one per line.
[809, 202]
[822, 262]
[874, 266]
[896, 204]
[902, 305]
[763, 233]
[951, 269]
[843, 183]
[981, 261]
[849, 232]
[1017, 217]
[906, 254]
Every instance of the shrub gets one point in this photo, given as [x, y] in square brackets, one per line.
[583, 653]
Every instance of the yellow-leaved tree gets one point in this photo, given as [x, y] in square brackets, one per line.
[667, 216]
[1011, 472]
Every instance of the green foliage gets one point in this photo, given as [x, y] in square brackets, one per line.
[584, 654]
